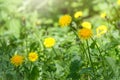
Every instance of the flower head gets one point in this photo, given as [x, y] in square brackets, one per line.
[86, 25]
[78, 14]
[17, 60]
[49, 42]
[65, 20]
[85, 33]
[118, 2]
[33, 56]
[103, 15]
[101, 30]
[38, 22]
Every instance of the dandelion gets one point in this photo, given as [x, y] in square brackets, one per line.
[85, 33]
[38, 22]
[118, 2]
[49, 42]
[78, 14]
[86, 25]
[101, 30]
[33, 56]
[17, 60]
[65, 20]
[103, 15]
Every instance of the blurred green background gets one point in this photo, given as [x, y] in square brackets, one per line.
[25, 23]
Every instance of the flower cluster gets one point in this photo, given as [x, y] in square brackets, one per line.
[85, 32]
[17, 59]
[80, 41]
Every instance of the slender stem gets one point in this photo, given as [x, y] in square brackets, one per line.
[78, 38]
[87, 56]
[54, 51]
[83, 48]
[39, 38]
[26, 43]
[97, 47]
[90, 58]
[104, 67]
[30, 67]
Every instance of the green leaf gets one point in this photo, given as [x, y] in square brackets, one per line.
[14, 28]
[113, 66]
[93, 45]
[74, 69]
[34, 73]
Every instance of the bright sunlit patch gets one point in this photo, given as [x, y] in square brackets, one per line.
[118, 2]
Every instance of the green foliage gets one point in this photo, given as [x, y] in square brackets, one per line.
[34, 73]
[24, 24]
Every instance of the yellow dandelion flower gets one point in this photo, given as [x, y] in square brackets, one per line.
[101, 30]
[38, 22]
[49, 42]
[85, 33]
[78, 14]
[33, 56]
[17, 60]
[103, 15]
[118, 2]
[86, 25]
[65, 20]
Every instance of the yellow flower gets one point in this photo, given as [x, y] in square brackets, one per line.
[38, 22]
[85, 33]
[101, 30]
[86, 25]
[33, 56]
[17, 60]
[118, 2]
[49, 42]
[103, 15]
[65, 20]
[78, 14]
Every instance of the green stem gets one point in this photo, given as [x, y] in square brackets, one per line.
[30, 67]
[54, 51]
[39, 38]
[104, 67]
[90, 58]
[83, 48]
[77, 37]
[26, 43]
